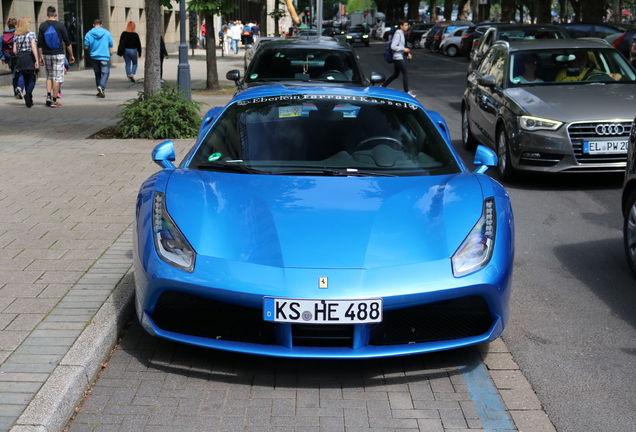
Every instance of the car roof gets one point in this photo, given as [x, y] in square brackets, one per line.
[323, 42]
[504, 27]
[540, 44]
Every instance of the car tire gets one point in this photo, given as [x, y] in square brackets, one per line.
[468, 140]
[452, 51]
[506, 171]
[417, 45]
[629, 232]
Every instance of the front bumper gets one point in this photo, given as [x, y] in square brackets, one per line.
[563, 150]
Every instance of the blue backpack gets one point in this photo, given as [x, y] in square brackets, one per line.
[51, 38]
[388, 52]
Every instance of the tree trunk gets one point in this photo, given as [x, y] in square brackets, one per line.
[412, 11]
[576, 8]
[448, 9]
[508, 10]
[433, 10]
[463, 10]
[592, 10]
[542, 11]
[618, 11]
[152, 64]
[563, 11]
[212, 79]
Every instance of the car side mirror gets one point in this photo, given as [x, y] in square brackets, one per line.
[487, 81]
[485, 159]
[233, 75]
[163, 154]
[377, 78]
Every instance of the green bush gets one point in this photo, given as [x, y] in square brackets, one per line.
[167, 114]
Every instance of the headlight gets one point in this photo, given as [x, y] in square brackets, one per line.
[171, 245]
[365, 36]
[476, 250]
[349, 37]
[535, 123]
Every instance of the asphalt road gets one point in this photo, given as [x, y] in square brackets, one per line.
[572, 329]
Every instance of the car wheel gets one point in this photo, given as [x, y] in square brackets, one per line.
[629, 232]
[451, 51]
[467, 137]
[417, 45]
[504, 164]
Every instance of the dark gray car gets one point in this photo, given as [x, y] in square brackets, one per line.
[322, 60]
[573, 115]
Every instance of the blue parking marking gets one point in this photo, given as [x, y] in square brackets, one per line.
[490, 408]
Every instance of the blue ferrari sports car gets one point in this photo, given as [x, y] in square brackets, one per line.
[323, 222]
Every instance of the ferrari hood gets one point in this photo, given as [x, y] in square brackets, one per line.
[323, 222]
[568, 103]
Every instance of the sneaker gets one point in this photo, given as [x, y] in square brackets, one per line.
[59, 95]
[411, 94]
[55, 104]
[18, 93]
[48, 101]
[100, 92]
[131, 79]
[28, 100]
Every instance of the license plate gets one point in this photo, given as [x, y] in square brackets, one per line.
[322, 311]
[604, 147]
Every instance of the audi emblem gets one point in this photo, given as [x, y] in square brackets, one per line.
[610, 129]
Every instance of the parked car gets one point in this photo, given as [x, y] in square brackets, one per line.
[323, 222]
[416, 32]
[628, 203]
[512, 32]
[573, 116]
[358, 34]
[439, 28]
[622, 41]
[472, 34]
[599, 30]
[430, 36]
[315, 60]
[451, 40]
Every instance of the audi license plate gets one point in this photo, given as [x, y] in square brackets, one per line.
[304, 311]
[604, 147]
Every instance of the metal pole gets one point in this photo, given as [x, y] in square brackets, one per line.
[183, 70]
[319, 17]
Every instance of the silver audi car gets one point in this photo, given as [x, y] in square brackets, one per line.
[553, 106]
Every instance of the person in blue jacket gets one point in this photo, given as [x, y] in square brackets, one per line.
[99, 42]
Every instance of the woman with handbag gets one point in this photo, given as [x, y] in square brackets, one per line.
[130, 48]
[25, 49]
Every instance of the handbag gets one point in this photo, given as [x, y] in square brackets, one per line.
[25, 62]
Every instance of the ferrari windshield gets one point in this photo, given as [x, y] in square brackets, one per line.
[570, 66]
[325, 135]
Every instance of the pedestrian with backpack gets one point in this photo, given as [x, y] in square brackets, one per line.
[398, 45]
[52, 36]
[7, 56]
[99, 42]
[25, 50]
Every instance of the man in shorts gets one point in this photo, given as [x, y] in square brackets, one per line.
[53, 57]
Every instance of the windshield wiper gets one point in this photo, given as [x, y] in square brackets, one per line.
[333, 172]
[230, 168]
